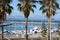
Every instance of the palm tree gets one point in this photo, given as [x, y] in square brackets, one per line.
[49, 7]
[26, 6]
[4, 8]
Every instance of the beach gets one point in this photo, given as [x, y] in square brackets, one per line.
[55, 38]
[25, 39]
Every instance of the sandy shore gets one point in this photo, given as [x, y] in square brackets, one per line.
[55, 38]
[25, 39]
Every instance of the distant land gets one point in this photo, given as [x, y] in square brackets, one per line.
[34, 20]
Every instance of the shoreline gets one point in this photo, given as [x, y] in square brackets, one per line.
[39, 38]
[24, 38]
[33, 22]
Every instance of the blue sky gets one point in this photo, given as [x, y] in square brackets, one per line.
[37, 15]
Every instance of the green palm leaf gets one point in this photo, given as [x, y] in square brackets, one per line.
[57, 5]
[44, 10]
[34, 1]
[48, 14]
[9, 6]
[41, 2]
[32, 10]
[46, 4]
[6, 1]
[42, 7]
[18, 4]
[53, 12]
[1, 9]
[8, 9]
[26, 7]
[21, 0]
[34, 6]
[20, 7]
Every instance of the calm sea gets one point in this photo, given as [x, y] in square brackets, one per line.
[22, 26]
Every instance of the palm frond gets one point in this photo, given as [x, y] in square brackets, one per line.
[9, 6]
[48, 14]
[26, 7]
[8, 9]
[1, 9]
[44, 10]
[18, 4]
[20, 8]
[21, 0]
[7, 1]
[41, 2]
[57, 5]
[42, 7]
[53, 12]
[34, 1]
[46, 5]
[32, 10]
[34, 6]
[53, 1]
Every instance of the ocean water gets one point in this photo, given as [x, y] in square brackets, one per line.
[22, 26]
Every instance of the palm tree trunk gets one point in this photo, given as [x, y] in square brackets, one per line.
[26, 28]
[2, 30]
[2, 18]
[49, 28]
[2, 33]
